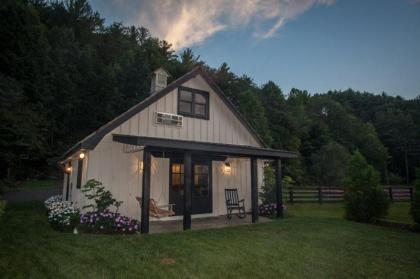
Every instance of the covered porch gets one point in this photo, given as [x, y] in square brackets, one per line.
[188, 152]
[215, 222]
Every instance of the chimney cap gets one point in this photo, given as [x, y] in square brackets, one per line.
[161, 71]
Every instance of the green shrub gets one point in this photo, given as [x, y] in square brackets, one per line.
[365, 200]
[101, 219]
[2, 207]
[415, 205]
[6, 185]
[268, 193]
[395, 179]
[103, 199]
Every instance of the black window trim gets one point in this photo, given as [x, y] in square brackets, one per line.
[79, 173]
[205, 94]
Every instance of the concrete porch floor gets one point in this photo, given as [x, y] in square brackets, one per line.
[202, 223]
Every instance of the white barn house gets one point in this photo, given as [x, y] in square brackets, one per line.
[183, 145]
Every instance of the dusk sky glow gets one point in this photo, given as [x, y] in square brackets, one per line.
[317, 45]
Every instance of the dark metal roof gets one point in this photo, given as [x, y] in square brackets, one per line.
[203, 147]
[93, 139]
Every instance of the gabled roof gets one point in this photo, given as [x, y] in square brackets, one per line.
[93, 139]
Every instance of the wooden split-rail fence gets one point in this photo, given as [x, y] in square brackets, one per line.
[336, 194]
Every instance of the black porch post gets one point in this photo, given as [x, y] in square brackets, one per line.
[67, 186]
[279, 189]
[187, 190]
[254, 189]
[144, 225]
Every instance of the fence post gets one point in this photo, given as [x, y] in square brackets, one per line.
[411, 193]
[319, 195]
[291, 195]
[390, 193]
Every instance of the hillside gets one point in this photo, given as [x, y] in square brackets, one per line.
[64, 73]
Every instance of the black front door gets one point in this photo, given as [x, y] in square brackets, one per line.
[201, 186]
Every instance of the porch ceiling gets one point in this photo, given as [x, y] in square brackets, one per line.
[204, 147]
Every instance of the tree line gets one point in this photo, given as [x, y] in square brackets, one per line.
[64, 73]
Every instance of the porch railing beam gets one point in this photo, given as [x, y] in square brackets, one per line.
[254, 189]
[279, 189]
[144, 225]
[187, 190]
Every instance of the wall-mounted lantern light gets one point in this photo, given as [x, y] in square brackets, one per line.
[81, 155]
[68, 169]
[140, 166]
[227, 169]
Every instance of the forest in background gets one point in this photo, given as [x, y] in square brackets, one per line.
[64, 73]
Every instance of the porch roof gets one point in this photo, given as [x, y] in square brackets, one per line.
[204, 147]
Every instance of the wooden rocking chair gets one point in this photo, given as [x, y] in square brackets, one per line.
[157, 211]
[233, 203]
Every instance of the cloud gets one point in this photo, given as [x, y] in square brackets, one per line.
[184, 23]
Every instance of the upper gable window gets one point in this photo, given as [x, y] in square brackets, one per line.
[193, 103]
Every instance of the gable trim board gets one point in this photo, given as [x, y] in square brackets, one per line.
[93, 139]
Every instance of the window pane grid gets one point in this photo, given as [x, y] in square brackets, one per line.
[193, 103]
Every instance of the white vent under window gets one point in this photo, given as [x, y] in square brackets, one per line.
[168, 119]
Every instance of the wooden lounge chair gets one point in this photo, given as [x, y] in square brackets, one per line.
[157, 211]
[233, 203]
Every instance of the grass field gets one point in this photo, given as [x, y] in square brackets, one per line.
[313, 242]
[29, 185]
[399, 212]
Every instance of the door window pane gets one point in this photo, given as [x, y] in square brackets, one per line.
[177, 176]
[201, 180]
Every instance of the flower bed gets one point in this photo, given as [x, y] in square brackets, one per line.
[268, 209]
[108, 222]
[48, 202]
[62, 215]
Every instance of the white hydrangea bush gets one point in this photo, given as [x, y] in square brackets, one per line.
[63, 215]
[48, 202]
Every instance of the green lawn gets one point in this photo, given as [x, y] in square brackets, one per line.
[399, 212]
[29, 185]
[313, 242]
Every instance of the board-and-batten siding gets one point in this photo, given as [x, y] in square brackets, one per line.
[222, 127]
[119, 172]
